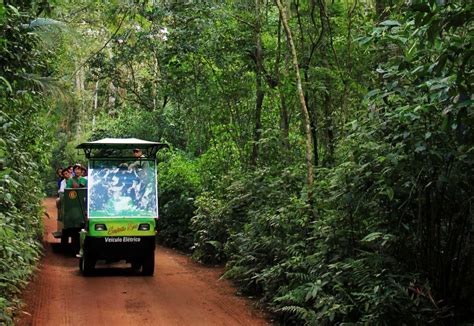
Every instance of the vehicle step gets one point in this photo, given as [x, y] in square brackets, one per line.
[57, 234]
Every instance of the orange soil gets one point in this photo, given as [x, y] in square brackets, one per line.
[180, 293]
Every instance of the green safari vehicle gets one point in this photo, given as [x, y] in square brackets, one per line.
[122, 204]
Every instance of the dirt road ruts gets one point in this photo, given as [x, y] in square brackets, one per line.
[180, 293]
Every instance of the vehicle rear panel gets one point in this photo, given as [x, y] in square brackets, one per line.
[73, 208]
[121, 226]
[121, 239]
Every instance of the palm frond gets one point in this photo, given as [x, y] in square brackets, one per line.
[46, 22]
[42, 84]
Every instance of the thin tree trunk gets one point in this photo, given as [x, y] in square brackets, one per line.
[284, 118]
[284, 121]
[79, 92]
[96, 102]
[305, 66]
[79, 79]
[327, 103]
[96, 96]
[306, 119]
[258, 81]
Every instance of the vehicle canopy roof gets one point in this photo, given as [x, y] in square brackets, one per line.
[113, 147]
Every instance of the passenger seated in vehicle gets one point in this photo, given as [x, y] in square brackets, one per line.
[138, 154]
[71, 170]
[66, 176]
[78, 181]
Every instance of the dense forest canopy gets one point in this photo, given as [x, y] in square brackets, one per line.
[322, 150]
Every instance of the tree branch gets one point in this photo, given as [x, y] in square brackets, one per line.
[103, 46]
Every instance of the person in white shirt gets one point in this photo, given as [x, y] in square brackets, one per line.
[66, 176]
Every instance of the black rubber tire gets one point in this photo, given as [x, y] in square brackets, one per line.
[136, 265]
[64, 240]
[86, 264]
[81, 265]
[75, 243]
[149, 265]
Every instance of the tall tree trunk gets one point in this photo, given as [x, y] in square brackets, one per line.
[96, 102]
[306, 119]
[327, 103]
[79, 92]
[313, 119]
[305, 66]
[284, 118]
[258, 82]
[284, 121]
[79, 79]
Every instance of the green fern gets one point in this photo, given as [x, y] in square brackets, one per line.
[297, 311]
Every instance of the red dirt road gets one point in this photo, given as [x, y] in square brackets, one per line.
[180, 293]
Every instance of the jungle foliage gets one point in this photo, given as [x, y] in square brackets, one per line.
[380, 113]
[24, 148]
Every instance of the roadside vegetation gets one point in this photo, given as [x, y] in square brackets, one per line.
[322, 150]
[24, 151]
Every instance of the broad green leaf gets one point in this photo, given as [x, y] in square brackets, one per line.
[390, 23]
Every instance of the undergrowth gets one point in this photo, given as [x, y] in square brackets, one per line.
[20, 217]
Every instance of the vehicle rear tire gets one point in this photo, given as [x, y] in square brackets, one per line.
[64, 239]
[86, 264]
[136, 265]
[149, 265]
[75, 243]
